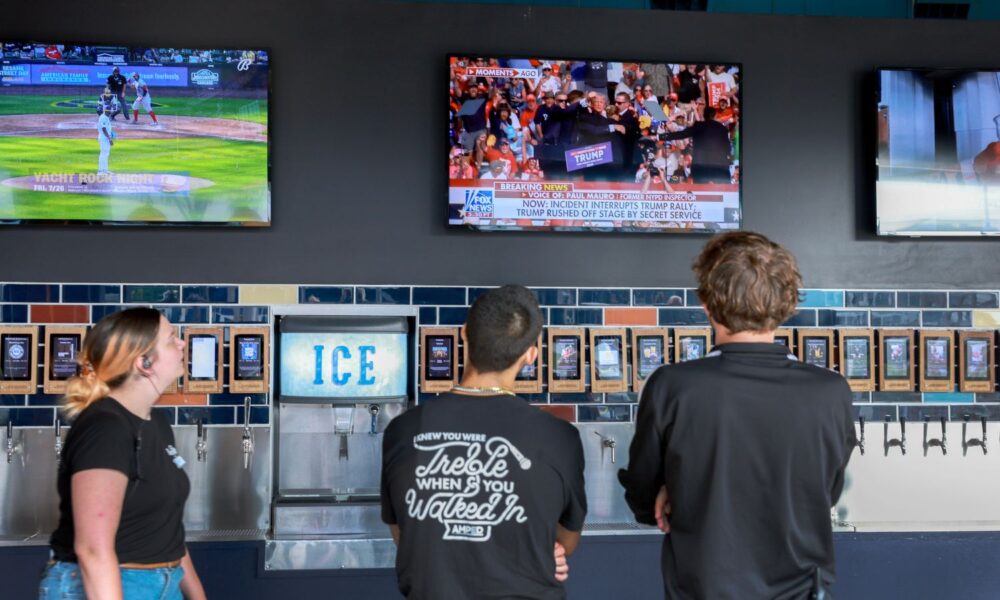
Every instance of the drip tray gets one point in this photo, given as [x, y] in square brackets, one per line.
[328, 515]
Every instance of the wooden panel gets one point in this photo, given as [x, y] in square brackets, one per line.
[857, 358]
[692, 343]
[937, 361]
[816, 347]
[19, 351]
[660, 334]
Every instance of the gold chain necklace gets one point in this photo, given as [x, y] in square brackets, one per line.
[480, 390]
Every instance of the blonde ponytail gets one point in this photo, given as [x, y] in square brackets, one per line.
[108, 354]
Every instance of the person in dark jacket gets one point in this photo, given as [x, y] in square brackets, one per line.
[116, 83]
[711, 149]
[739, 456]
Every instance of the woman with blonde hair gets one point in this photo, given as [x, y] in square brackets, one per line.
[121, 484]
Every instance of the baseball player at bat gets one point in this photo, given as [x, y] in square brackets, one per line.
[143, 99]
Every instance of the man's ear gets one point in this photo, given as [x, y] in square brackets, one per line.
[530, 355]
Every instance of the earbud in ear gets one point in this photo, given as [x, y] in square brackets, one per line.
[146, 363]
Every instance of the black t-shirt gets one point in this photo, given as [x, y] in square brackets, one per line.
[107, 436]
[116, 83]
[752, 446]
[477, 486]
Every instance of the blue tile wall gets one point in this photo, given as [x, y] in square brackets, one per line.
[10, 400]
[972, 300]
[921, 300]
[947, 318]
[242, 314]
[682, 316]
[182, 315]
[439, 295]
[149, 294]
[804, 318]
[28, 417]
[28, 292]
[259, 415]
[99, 311]
[93, 293]
[658, 297]
[14, 313]
[604, 412]
[452, 315]
[862, 299]
[382, 295]
[975, 412]
[207, 294]
[895, 318]
[210, 415]
[692, 298]
[576, 316]
[326, 295]
[555, 296]
[428, 315]
[875, 414]
[591, 297]
[949, 398]
[842, 318]
[820, 298]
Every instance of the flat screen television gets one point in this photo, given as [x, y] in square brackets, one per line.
[129, 135]
[938, 152]
[556, 144]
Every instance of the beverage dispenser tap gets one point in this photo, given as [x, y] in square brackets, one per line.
[373, 410]
[890, 442]
[968, 443]
[247, 443]
[59, 442]
[941, 442]
[607, 442]
[861, 440]
[343, 425]
[11, 447]
[201, 447]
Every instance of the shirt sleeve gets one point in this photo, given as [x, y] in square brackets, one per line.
[850, 440]
[575, 509]
[103, 442]
[644, 476]
[388, 512]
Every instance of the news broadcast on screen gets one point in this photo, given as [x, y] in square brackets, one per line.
[554, 144]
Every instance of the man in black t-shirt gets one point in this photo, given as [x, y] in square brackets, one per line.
[479, 487]
[116, 83]
[739, 456]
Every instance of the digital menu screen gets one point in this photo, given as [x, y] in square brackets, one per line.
[977, 362]
[817, 351]
[857, 355]
[897, 358]
[608, 357]
[249, 357]
[62, 356]
[650, 354]
[692, 347]
[937, 357]
[16, 357]
[566, 353]
[437, 357]
[528, 372]
[203, 357]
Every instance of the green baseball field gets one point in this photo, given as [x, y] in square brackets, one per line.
[206, 161]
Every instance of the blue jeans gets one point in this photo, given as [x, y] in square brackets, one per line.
[63, 581]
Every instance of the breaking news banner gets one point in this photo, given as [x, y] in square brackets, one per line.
[581, 205]
[563, 144]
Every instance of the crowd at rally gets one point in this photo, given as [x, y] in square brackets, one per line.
[665, 123]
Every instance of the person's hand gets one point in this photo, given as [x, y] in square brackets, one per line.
[662, 509]
[562, 567]
[620, 128]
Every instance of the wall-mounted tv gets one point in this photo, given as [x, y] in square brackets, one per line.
[548, 143]
[129, 135]
[938, 152]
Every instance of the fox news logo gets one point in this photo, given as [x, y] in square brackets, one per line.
[479, 203]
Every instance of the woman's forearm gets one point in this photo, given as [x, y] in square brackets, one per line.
[191, 584]
[102, 578]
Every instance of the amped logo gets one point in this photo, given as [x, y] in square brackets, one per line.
[464, 482]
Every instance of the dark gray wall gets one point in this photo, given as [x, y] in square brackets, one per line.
[358, 124]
